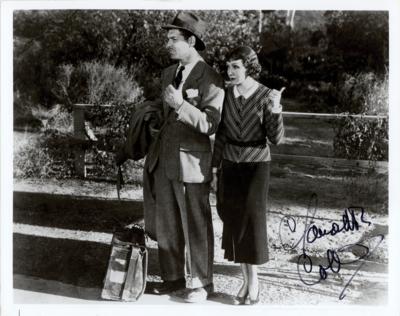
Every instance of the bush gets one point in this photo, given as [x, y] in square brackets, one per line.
[95, 83]
[51, 155]
[59, 119]
[358, 41]
[226, 30]
[38, 118]
[30, 160]
[365, 93]
[101, 84]
[359, 138]
[28, 122]
[133, 39]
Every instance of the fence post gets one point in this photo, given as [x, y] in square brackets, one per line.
[79, 133]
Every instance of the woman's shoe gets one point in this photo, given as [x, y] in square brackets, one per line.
[257, 300]
[240, 300]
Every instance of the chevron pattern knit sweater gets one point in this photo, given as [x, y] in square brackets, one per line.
[245, 124]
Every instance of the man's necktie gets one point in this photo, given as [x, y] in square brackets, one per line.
[178, 78]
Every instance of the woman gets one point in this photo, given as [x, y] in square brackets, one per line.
[252, 114]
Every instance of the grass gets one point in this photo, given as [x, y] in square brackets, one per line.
[306, 137]
[30, 159]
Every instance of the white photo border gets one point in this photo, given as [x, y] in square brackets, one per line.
[6, 160]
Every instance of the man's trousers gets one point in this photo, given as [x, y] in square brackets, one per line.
[184, 229]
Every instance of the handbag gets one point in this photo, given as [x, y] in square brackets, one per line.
[126, 275]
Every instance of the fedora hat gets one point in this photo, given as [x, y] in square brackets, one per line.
[192, 23]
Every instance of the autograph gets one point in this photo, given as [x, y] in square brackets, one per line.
[311, 232]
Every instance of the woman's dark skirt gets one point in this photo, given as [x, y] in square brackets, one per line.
[242, 206]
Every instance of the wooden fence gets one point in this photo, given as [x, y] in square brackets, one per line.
[318, 162]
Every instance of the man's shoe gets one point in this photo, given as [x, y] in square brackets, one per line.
[200, 294]
[169, 286]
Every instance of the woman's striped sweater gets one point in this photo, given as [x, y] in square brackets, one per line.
[247, 120]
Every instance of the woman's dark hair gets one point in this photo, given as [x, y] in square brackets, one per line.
[249, 58]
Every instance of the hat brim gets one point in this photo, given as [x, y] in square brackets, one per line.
[199, 43]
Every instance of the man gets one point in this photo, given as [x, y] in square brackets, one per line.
[181, 163]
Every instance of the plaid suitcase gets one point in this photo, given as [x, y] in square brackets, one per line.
[127, 267]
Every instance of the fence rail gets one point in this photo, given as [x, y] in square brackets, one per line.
[331, 116]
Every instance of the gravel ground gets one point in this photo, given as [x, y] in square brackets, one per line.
[280, 278]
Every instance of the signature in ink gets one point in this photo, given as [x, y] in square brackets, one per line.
[312, 232]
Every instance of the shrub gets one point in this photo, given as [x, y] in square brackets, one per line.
[359, 138]
[95, 83]
[59, 119]
[29, 159]
[34, 159]
[357, 41]
[27, 122]
[365, 93]
[103, 84]
[226, 30]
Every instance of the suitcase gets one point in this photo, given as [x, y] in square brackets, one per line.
[125, 279]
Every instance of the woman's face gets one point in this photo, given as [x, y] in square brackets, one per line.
[236, 71]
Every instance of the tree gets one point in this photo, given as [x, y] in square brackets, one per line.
[134, 39]
[358, 40]
[43, 40]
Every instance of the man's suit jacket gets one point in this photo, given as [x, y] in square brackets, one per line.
[185, 138]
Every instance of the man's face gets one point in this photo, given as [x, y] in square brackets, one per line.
[178, 48]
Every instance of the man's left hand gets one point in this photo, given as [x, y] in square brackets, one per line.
[173, 97]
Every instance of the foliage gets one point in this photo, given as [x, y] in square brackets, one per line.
[57, 118]
[45, 40]
[51, 153]
[48, 153]
[227, 30]
[110, 124]
[30, 160]
[43, 157]
[101, 165]
[331, 61]
[99, 84]
[27, 122]
[359, 138]
[315, 54]
[358, 41]
[321, 46]
[364, 93]
[95, 83]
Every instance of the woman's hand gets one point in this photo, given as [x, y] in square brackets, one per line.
[275, 96]
[214, 182]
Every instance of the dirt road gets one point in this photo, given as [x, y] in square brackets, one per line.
[62, 233]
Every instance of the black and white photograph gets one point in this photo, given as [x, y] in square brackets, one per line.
[231, 159]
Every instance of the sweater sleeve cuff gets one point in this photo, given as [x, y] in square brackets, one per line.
[276, 110]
